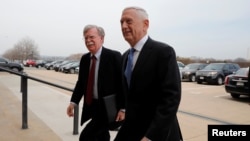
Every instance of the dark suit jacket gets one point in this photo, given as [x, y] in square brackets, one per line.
[109, 79]
[154, 95]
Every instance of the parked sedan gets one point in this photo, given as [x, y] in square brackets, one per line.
[77, 70]
[238, 83]
[50, 66]
[188, 72]
[30, 63]
[181, 66]
[41, 63]
[71, 67]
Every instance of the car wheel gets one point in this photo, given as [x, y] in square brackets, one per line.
[219, 80]
[192, 78]
[72, 71]
[14, 69]
[235, 95]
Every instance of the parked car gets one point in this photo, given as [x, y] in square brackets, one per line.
[215, 73]
[66, 65]
[57, 66]
[71, 67]
[11, 65]
[238, 83]
[188, 72]
[181, 66]
[41, 63]
[77, 70]
[50, 66]
[30, 63]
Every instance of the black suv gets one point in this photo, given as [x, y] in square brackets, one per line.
[10, 65]
[216, 72]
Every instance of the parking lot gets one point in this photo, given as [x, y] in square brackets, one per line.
[200, 106]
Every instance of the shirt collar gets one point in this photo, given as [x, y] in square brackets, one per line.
[138, 46]
[97, 54]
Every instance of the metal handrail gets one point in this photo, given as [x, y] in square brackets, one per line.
[24, 88]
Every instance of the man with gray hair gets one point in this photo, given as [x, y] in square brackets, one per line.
[99, 76]
[151, 83]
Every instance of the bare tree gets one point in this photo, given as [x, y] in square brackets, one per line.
[240, 60]
[75, 56]
[10, 54]
[23, 50]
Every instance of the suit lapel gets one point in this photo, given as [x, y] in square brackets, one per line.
[143, 57]
[101, 72]
[103, 60]
[141, 60]
[124, 62]
[85, 67]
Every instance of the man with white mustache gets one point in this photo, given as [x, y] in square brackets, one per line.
[107, 81]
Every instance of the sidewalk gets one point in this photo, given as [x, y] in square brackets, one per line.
[11, 121]
[47, 119]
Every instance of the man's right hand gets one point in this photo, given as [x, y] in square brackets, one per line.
[120, 116]
[70, 110]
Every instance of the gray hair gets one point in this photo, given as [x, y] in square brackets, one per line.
[99, 29]
[140, 11]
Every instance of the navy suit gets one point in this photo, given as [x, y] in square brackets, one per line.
[154, 95]
[109, 82]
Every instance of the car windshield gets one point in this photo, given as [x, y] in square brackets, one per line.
[242, 72]
[180, 64]
[76, 63]
[6, 59]
[192, 66]
[214, 67]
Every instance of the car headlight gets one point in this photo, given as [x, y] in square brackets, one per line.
[212, 73]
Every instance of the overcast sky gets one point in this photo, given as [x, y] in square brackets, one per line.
[217, 29]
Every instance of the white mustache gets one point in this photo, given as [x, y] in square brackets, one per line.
[90, 43]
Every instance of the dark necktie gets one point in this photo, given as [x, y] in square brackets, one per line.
[128, 70]
[90, 87]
